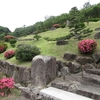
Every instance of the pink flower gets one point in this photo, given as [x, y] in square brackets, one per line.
[86, 46]
[6, 83]
[8, 54]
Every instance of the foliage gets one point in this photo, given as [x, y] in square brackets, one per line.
[4, 30]
[94, 19]
[63, 25]
[2, 36]
[87, 46]
[8, 37]
[26, 52]
[37, 36]
[9, 54]
[5, 85]
[77, 26]
[12, 41]
[3, 47]
[13, 45]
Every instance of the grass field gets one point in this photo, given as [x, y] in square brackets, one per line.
[50, 48]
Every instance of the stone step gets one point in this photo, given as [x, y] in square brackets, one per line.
[52, 93]
[91, 78]
[75, 84]
[79, 88]
[93, 71]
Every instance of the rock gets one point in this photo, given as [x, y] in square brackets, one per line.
[84, 60]
[69, 56]
[74, 67]
[93, 71]
[17, 85]
[91, 78]
[97, 35]
[43, 70]
[96, 57]
[65, 71]
[97, 29]
[87, 66]
[61, 42]
[59, 65]
[58, 74]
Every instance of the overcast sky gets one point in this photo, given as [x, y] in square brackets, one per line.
[16, 13]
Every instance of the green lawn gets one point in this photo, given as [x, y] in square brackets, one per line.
[50, 48]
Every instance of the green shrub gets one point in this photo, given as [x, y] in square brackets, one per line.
[63, 25]
[37, 37]
[2, 36]
[13, 45]
[26, 52]
[12, 41]
[94, 19]
[3, 47]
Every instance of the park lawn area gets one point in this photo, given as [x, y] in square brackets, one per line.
[49, 48]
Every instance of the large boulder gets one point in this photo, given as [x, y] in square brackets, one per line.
[74, 67]
[69, 56]
[59, 65]
[43, 70]
[61, 42]
[87, 66]
[84, 60]
[65, 71]
[97, 29]
[96, 57]
[97, 35]
[22, 75]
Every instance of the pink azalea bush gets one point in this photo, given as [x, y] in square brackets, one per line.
[5, 85]
[3, 47]
[8, 37]
[87, 46]
[9, 54]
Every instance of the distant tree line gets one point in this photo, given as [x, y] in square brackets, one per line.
[87, 13]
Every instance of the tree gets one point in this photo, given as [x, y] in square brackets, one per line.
[87, 5]
[4, 30]
[76, 25]
[37, 36]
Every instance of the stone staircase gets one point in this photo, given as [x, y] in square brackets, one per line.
[86, 83]
[52, 93]
[82, 86]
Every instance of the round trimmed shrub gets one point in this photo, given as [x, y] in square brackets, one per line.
[9, 54]
[26, 52]
[3, 47]
[87, 46]
[12, 41]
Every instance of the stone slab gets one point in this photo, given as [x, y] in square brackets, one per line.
[57, 94]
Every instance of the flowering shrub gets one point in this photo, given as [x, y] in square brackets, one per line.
[87, 46]
[56, 25]
[3, 47]
[8, 37]
[9, 54]
[5, 85]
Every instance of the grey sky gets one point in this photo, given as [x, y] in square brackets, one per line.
[16, 13]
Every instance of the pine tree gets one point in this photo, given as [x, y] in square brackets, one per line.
[76, 25]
